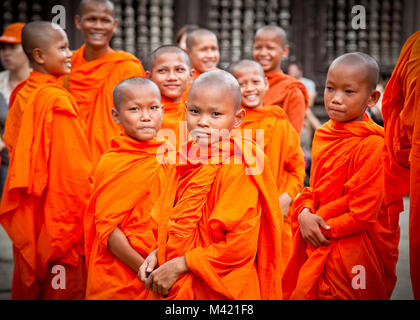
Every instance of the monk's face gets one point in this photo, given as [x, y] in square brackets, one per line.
[253, 87]
[140, 112]
[57, 56]
[205, 54]
[171, 74]
[211, 114]
[12, 56]
[269, 50]
[347, 94]
[97, 24]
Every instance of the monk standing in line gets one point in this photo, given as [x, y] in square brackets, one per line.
[96, 70]
[270, 47]
[219, 220]
[47, 190]
[281, 142]
[129, 176]
[343, 247]
[401, 112]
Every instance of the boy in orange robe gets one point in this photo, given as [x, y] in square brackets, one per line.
[170, 69]
[280, 142]
[118, 225]
[219, 220]
[401, 112]
[343, 247]
[270, 46]
[203, 49]
[46, 190]
[96, 70]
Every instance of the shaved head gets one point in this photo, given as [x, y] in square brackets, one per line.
[136, 83]
[38, 34]
[195, 35]
[361, 60]
[168, 49]
[84, 2]
[220, 80]
[246, 64]
[277, 31]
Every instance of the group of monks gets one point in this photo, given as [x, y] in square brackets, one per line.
[185, 181]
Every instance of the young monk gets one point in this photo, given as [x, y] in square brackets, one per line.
[343, 247]
[128, 177]
[270, 47]
[401, 112]
[46, 190]
[96, 70]
[203, 48]
[170, 69]
[219, 220]
[280, 141]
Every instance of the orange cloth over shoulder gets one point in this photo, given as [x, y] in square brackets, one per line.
[401, 111]
[46, 193]
[128, 179]
[282, 147]
[288, 93]
[92, 84]
[226, 220]
[346, 190]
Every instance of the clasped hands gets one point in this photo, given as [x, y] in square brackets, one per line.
[310, 228]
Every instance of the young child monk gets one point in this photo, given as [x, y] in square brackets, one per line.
[203, 48]
[48, 185]
[280, 141]
[219, 220]
[170, 69]
[128, 177]
[96, 70]
[270, 47]
[343, 247]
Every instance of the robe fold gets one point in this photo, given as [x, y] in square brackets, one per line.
[226, 220]
[92, 84]
[346, 190]
[290, 94]
[128, 179]
[281, 145]
[46, 192]
[401, 112]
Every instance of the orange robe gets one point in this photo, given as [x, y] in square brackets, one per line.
[127, 180]
[92, 84]
[282, 147]
[226, 220]
[288, 93]
[46, 193]
[346, 190]
[401, 111]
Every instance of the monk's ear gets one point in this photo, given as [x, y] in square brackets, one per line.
[115, 115]
[148, 75]
[239, 117]
[114, 27]
[266, 83]
[77, 22]
[193, 73]
[286, 50]
[373, 98]
[38, 56]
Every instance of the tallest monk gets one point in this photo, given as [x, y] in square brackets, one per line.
[96, 70]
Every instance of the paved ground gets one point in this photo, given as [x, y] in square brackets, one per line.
[402, 289]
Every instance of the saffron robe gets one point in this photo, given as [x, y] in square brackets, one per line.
[288, 93]
[401, 112]
[92, 84]
[128, 179]
[46, 193]
[226, 220]
[346, 190]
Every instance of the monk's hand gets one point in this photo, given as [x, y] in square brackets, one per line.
[285, 202]
[310, 228]
[147, 267]
[165, 276]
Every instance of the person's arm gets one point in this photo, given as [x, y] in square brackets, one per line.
[120, 247]
[310, 228]
[295, 107]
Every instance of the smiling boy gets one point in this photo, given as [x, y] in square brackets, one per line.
[96, 70]
[46, 191]
[344, 248]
